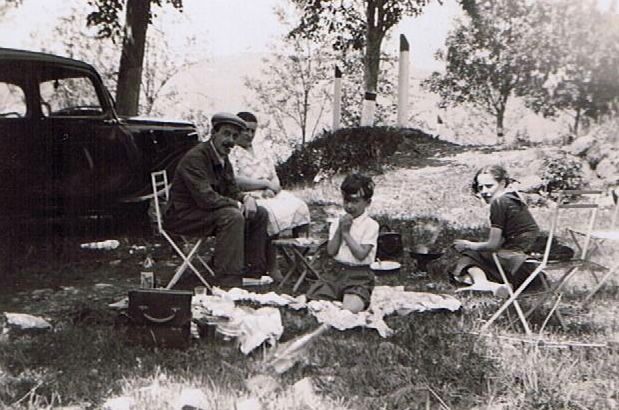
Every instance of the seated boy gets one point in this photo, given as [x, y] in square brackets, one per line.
[352, 243]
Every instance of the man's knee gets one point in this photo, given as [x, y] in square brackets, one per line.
[230, 217]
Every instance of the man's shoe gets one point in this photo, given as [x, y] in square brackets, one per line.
[251, 273]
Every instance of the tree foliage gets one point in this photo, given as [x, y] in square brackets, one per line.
[72, 38]
[108, 15]
[357, 25]
[580, 59]
[6, 5]
[292, 88]
[488, 56]
[296, 82]
[139, 14]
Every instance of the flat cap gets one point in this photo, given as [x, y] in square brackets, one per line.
[228, 118]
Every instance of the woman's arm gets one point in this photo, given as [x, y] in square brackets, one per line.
[251, 184]
[494, 242]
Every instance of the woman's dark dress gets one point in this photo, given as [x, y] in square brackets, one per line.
[519, 230]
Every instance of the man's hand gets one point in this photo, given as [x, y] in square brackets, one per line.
[249, 207]
[345, 223]
[268, 193]
[462, 245]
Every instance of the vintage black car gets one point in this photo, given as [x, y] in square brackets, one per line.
[64, 150]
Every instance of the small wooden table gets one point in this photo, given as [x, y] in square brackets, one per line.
[301, 249]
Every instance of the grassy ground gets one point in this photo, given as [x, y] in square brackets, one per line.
[434, 360]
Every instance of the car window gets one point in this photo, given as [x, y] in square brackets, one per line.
[75, 96]
[12, 101]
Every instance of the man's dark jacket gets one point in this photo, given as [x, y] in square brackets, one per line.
[203, 181]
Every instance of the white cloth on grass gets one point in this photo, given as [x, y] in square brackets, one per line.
[385, 301]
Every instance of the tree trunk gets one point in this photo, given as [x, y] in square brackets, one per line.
[500, 132]
[374, 38]
[304, 115]
[132, 57]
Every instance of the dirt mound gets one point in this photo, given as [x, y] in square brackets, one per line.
[362, 148]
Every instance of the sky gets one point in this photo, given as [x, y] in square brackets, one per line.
[231, 27]
[235, 27]
[232, 36]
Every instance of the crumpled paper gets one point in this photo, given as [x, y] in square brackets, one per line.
[26, 321]
[251, 327]
[385, 301]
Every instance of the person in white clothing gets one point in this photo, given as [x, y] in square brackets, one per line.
[254, 171]
[352, 244]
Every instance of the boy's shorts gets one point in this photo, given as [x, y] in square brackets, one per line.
[344, 279]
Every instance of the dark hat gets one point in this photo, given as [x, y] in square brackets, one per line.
[227, 118]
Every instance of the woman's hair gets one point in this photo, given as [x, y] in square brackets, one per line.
[498, 173]
[358, 184]
[247, 116]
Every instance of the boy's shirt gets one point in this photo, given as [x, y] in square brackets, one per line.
[365, 231]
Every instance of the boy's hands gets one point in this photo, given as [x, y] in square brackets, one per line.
[345, 222]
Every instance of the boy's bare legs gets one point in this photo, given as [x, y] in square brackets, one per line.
[481, 283]
[353, 303]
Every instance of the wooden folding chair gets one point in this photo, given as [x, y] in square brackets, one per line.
[161, 187]
[601, 236]
[545, 265]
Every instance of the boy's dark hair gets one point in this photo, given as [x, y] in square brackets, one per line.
[498, 173]
[358, 184]
[247, 116]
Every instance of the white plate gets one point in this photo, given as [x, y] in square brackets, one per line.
[385, 265]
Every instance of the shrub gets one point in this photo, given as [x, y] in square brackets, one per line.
[562, 172]
[349, 149]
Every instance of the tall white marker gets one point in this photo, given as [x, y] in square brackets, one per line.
[368, 109]
[403, 82]
[337, 99]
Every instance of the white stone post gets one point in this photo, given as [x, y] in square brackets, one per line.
[403, 82]
[368, 109]
[337, 99]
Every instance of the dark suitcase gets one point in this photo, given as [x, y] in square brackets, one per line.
[160, 317]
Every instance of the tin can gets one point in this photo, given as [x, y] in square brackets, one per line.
[147, 280]
[200, 290]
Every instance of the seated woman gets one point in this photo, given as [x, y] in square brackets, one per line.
[512, 234]
[254, 172]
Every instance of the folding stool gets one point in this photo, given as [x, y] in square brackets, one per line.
[598, 238]
[161, 187]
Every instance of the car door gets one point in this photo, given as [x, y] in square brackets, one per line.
[21, 155]
[86, 162]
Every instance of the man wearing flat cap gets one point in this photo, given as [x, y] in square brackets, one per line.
[205, 201]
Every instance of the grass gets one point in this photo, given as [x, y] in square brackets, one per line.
[434, 360]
